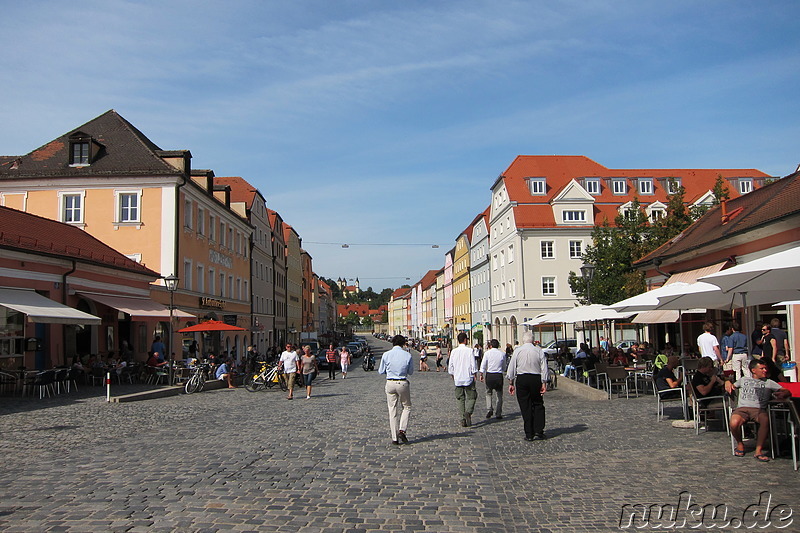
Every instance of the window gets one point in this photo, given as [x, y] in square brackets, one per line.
[574, 216]
[673, 185]
[656, 215]
[211, 279]
[187, 275]
[72, 210]
[575, 249]
[128, 207]
[212, 227]
[538, 186]
[201, 221]
[502, 259]
[548, 286]
[745, 185]
[645, 185]
[592, 185]
[230, 238]
[201, 275]
[547, 250]
[12, 325]
[187, 214]
[620, 186]
[222, 284]
[494, 262]
[80, 154]
[511, 253]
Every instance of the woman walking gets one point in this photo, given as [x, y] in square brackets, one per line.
[344, 360]
[308, 363]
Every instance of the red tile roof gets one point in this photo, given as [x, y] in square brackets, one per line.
[536, 211]
[241, 190]
[34, 234]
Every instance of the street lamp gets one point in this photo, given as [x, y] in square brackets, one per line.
[587, 273]
[171, 282]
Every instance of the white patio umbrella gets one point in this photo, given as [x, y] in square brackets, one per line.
[586, 313]
[778, 271]
[708, 296]
[647, 301]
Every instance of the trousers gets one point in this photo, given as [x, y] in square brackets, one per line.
[531, 403]
[494, 389]
[398, 399]
[465, 398]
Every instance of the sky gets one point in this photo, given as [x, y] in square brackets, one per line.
[383, 125]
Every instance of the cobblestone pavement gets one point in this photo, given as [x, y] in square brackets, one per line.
[229, 460]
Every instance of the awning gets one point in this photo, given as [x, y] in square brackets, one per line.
[44, 310]
[138, 308]
[657, 317]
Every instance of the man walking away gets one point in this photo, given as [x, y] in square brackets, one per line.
[397, 364]
[462, 367]
[493, 367]
[527, 374]
[289, 361]
[737, 351]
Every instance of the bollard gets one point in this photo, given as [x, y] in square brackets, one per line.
[108, 386]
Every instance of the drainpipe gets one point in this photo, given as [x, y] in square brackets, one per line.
[175, 271]
[64, 301]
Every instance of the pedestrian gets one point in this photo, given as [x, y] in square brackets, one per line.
[781, 340]
[492, 369]
[708, 344]
[397, 364]
[159, 347]
[461, 366]
[344, 360]
[290, 363]
[423, 359]
[527, 374]
[308, 364]
[737, 351]
[439, 358]
[330, 358]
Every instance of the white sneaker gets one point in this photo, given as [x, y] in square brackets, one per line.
[308, 397]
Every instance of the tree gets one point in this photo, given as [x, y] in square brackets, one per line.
[677, 217]
[367, 321]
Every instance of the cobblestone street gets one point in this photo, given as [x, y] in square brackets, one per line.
[229, 460]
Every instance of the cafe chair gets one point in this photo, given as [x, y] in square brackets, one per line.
[791, 427]
[749, 427]
[45, 383]
[617, 376]
[709, 404]
[98, 376]
[666, 396]
[62, 380]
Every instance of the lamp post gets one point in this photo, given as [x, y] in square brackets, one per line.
[171, 282]
[464, 325]
[587, 273]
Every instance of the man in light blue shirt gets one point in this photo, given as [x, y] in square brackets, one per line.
[397, 364]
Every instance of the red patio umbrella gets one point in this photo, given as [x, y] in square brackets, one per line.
[210, 325]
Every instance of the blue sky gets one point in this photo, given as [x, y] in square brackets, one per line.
[387, 122]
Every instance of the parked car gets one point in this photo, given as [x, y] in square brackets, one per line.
[355, 349]
[552, 347]
[430, 347]
[322, 358]
[625, 345]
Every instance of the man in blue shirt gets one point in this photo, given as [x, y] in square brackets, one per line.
[159, 347]
[223, 373]
[398, 364]
[736, 351]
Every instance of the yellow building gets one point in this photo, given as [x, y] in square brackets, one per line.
[109, 179]
[462, 313]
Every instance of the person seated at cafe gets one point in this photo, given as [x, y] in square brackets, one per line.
[707, 383]
[224, 373]
[754, 394]
[155, 361]
[578, 361]
[666, 380]
[773, 372]
[619, 358]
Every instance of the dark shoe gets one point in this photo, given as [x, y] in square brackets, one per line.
[489, 414]
[395, 442]
[464, 422]
[468, 419]
[540, 436]
[499, 417]
[529, 439]
[402, 436]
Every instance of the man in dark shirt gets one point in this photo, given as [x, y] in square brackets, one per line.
[666, 380]
[706, 382]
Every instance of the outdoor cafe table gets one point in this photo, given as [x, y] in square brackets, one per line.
[794, 387]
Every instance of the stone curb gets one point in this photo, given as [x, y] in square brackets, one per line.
[581, 390]
[164, 392]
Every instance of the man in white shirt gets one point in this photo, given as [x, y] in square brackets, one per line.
[461, 366]
[289, 361]
[708, 343]
[528, 373]
[493, 367]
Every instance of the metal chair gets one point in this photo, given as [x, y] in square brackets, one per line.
[709, 404]
[44, 382]
[617, 376]
[668, 396]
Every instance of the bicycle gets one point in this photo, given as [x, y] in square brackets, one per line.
[197, 380]
[266, 377]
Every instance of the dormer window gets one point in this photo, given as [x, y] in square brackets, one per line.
[83, 150]
[620, 186]
[745, 185]
[592, 186]
[673, 185]
[645, 185]
[538, 186]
